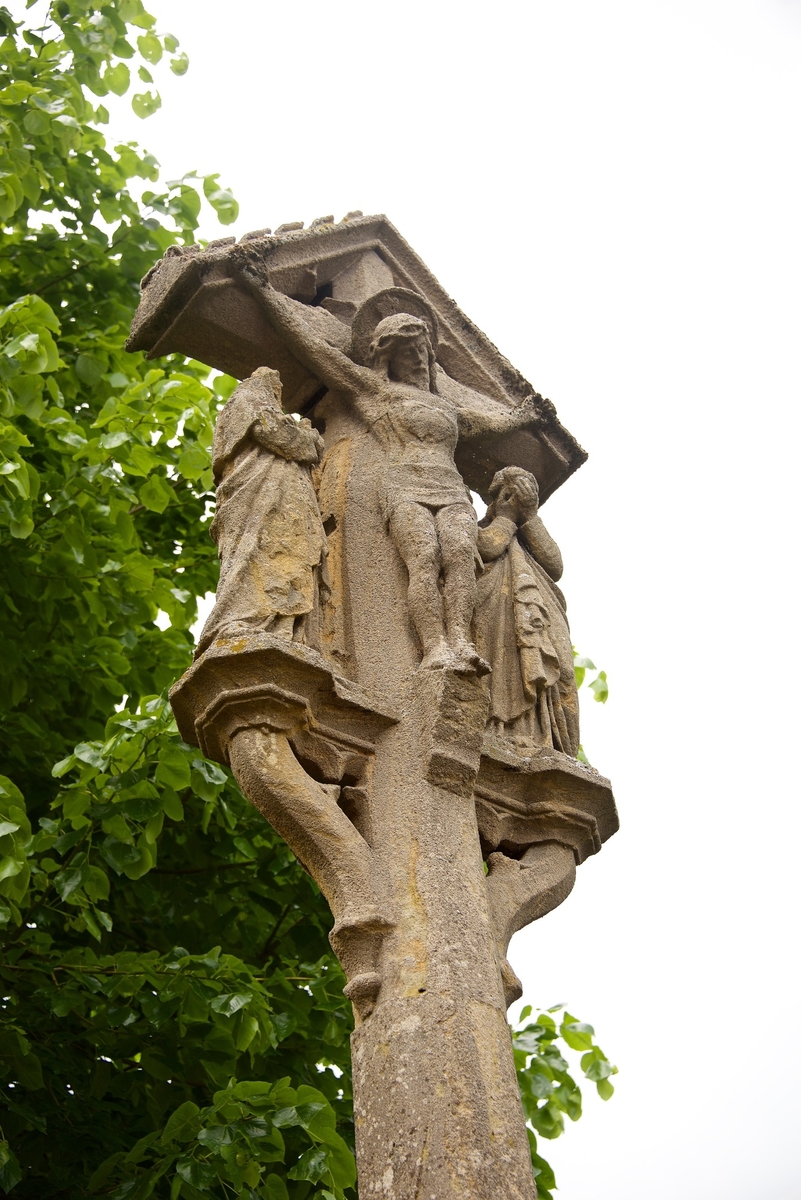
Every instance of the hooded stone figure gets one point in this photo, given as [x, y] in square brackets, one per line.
[267, 526]
[521, 623]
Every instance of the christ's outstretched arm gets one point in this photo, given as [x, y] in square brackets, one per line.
[532, 414]
[333, 368]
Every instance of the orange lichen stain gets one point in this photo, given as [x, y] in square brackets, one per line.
[231, 646]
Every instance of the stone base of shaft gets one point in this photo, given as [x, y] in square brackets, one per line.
[436, 1105]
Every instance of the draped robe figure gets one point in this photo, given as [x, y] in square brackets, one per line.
[267, 527]
[521, 625]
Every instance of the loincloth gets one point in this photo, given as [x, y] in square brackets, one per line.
[405, 485]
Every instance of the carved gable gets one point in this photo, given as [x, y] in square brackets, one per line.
[192, 304]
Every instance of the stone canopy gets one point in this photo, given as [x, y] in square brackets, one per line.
[193, 303]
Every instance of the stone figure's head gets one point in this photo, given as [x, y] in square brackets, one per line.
[513, 493]
[401, 350]
[262, 388]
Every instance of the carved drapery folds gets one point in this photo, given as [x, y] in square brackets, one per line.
[267, 524]
[521, 621]
[391, 681]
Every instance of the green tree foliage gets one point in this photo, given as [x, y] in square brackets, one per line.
[548, 1090]
[172, 1021]
[101, 502]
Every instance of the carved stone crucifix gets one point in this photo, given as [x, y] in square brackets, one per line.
[390, 680]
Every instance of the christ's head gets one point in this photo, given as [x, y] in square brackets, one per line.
[401, 351]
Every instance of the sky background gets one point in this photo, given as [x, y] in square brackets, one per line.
[611, 191]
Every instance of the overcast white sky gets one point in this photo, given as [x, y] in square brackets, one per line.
[611, 191]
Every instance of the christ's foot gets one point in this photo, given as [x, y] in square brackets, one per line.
[468, 661]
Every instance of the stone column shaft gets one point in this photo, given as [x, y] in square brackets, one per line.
[437, 1107]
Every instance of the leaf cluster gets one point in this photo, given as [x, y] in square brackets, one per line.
[94, 445]
[549, 1091]
[148, 843]
[599, 685]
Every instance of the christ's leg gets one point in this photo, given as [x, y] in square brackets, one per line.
[457, 531]
[415, 536]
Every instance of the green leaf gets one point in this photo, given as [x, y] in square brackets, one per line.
[198, 1174]
[21, 527]
[68, 881]
[274, 1188]
[89, 370]
[580, 667]
[35, 122]
[10, 1173]
[28, 1071]
[312, 1165]
[193, 462]
[221, 200]
[579, 661]
[183, 1124]
[172, 804]
[140, 460]
[230, 1002]
[111, 441]
[9, 867]
[577, 1035]
[92, 754]
[145, 104]
[117, 79]
[180, 64]
[119, 855]
[156, 494]
[150, 47]
[173, 770]
[600, 688]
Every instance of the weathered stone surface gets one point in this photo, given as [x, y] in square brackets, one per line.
[390, 682]
[193, 303]
[267, 526]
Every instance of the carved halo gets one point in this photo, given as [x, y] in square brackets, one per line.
[389, 303]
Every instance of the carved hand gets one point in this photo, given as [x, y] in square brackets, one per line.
[535, 412]
[507, 504]
[527, 497]
[316, 437]
[247, 261]
[293, 440]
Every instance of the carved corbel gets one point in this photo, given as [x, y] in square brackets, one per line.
[307, 816]
[268, 709]
[522, 890]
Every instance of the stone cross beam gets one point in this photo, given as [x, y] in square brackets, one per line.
[390, 680]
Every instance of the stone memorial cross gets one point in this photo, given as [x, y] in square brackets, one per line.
[390, 680]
